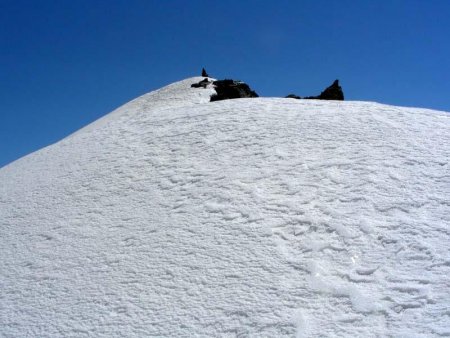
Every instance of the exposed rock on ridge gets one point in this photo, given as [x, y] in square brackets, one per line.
[333, 92]
[232, 89]
[202, 84]
[293, 96]
[227, 89]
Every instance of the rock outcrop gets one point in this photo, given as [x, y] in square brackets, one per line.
[293, 96]
[202, 84]
[235, 89]
[333, 92]
[231, 89]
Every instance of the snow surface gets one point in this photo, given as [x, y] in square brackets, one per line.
[265, 217]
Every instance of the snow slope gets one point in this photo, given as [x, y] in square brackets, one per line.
[266, 217]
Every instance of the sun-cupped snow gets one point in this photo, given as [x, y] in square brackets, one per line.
[263, 217]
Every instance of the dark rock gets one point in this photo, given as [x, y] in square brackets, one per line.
[204, 73]
[293, 96]
[231, 89]
[202, 84]
[333, 92]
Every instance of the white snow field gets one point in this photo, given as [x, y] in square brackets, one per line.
[174, 216]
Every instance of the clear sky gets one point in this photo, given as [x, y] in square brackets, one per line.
[65, 63]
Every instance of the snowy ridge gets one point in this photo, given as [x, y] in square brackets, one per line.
[174, 216]
[178, 94]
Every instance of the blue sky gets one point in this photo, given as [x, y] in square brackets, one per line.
[64, 63]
